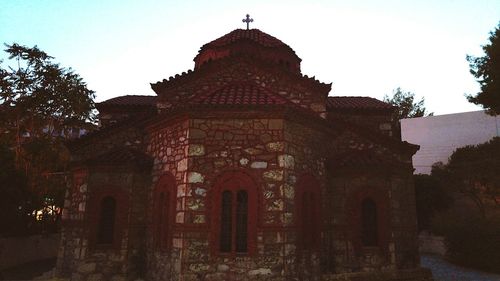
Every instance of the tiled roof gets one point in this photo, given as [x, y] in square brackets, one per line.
[363, 158]
[136, 121]
[356, 103]
[251, 94]
[239, 94]
[340, 124]
[252, 34]
[134, 100]
[124, 155]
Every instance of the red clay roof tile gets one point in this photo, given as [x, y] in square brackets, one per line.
[124, 155]
[244, 94]
[251, 94]
[356, 103]
[252, 34]
[131, 100]
[362, 158]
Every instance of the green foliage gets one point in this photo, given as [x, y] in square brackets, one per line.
[472, 233]
[471, 240]
[405, 104]
[431, 197]
[41, 104]
[473, 171]
[486, 70]
[38, 97]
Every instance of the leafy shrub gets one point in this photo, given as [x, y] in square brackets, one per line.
[431, 197]
[471, 240]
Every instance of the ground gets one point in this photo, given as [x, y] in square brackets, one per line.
[442, 270]
[445, 271]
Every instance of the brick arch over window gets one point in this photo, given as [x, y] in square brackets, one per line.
[163, 213]
[234, 214]
[308, 212]
[369, 219]
[108, 213]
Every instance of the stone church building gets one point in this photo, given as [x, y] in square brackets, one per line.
[241, 169]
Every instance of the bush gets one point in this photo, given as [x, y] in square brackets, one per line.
[471, 240]
[431, 197]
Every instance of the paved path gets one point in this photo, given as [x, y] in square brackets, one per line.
[445, 271]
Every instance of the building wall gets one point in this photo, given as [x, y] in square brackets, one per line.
[79, 255]
[439, 136]
[198, 152]
[392, 191]
[280, 155]
[169, 148]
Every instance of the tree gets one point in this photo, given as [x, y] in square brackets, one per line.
[41, 104]
[471, 234]
[405, 105]
[431, 197]
[39, 98]
[15, 196]
[472, 171]
[486, 70]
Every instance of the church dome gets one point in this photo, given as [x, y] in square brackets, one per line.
[252, 42]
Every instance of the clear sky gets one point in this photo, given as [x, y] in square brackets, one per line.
[365, 48]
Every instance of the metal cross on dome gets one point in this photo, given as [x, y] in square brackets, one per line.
[248, 20]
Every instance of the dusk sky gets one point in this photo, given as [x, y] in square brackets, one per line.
[365, 48]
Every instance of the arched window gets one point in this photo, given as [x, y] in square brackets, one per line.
[163, 212]
[369, 224]
[107, 217]
[234, 214]
[308, 212]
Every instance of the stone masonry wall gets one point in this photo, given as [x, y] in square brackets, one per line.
[346, 194]
[398, 249]
[302, 91]
[308, 148]
[72, 223]
[404, 220]
[276, 153]
[197, 152]
[77, 256]
[169, 148]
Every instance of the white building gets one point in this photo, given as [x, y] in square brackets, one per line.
[438, 136]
